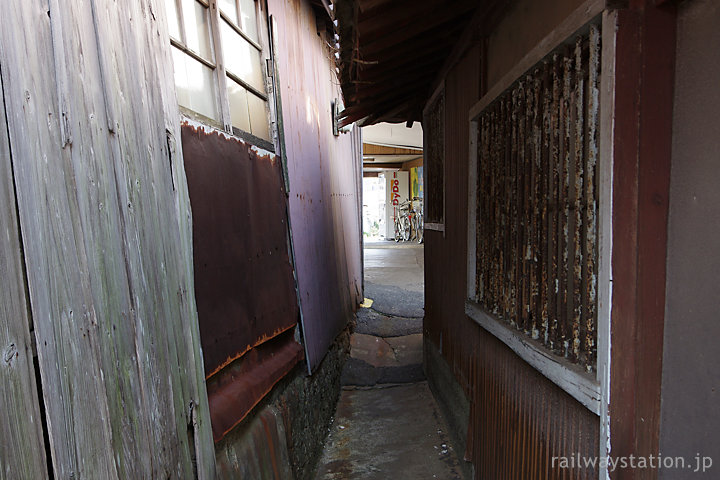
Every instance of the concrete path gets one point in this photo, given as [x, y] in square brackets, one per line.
[387, 425]
[391, 433]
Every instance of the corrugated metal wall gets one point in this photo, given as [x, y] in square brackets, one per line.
[324, 174]
[519, 419]
[537, 203]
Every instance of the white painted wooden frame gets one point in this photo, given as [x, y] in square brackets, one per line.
[606, 121]
[591, 391]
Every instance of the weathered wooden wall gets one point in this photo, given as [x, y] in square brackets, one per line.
[20, 421]
[104, 216]
[324, 179]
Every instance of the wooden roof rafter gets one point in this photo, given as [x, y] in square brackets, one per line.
[392, 51]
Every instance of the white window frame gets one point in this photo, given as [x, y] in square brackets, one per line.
[220, 73]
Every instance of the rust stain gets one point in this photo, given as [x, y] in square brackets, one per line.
[244, 282]
[537, 204]
[271, 446]
[241, 386]
[259, 341]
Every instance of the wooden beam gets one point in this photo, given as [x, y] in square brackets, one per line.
[446, 20]
[370, 149]
[645, 56]
[418, 162]
[576, 20]
[411, 67]
[392, 166]
[399, 16]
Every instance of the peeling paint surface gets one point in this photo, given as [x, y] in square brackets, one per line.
[537, 202]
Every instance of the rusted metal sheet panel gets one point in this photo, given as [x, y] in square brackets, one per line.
[104, 219]
[520, 421]
[240, 386]
[243, 277]
[537, 204]
[324, 174]
[260, 453]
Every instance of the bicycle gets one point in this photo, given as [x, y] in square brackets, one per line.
[402, 223]
[409, 222]
[418, 222]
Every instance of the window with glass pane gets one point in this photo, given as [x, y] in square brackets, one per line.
[242, 58]
[193, 55]
[196, 78]
[242, 14]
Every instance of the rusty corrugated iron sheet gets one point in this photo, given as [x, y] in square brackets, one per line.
[537, 203]
[234, 392]
[243, 277]
[260, 453]
[520, 421]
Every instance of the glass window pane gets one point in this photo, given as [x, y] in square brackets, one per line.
[258, 116]
[238, 97]
[229, 8]
[197, 28]
[248, 19]
[173, 19]
[241, 58]
[195, 85]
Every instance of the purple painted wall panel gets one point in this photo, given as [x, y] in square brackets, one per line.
[324, 173]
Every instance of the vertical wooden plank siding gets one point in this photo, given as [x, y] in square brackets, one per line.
[22, 450]
[645, 54]
[104, 212]
[536, 203]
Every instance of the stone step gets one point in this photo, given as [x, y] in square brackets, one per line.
[371, 322]
[395, 301]
[377, 360]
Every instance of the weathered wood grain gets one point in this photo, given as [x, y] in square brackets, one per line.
[20, 422]
[103, 205]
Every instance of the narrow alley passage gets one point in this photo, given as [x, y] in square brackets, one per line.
[387, 424]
